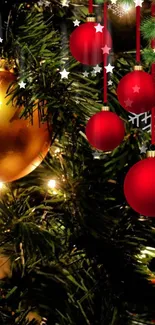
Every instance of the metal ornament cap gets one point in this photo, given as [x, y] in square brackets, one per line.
[105, 108]
[138, 68]
[150, 154]
[91, 19]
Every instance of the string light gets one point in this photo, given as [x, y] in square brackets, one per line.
[57, 150]
[52, 183]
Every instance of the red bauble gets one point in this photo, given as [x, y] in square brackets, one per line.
[139, 187]
[136, 92]
[105, 130]
[86, 43]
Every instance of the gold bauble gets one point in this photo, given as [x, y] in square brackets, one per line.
[123, 16]
[23, 144]
[33, 315]
[125, 22]
[5, 267]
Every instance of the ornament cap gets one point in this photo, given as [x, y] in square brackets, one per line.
[91, 19]
[138, 68]
[105, 108]
[150, 154]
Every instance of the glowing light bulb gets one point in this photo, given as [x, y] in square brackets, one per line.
[52, 183]
[1, 185]
[126, 7]
[57, 150]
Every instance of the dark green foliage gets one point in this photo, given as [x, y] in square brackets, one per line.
[82, 245]
[148, 56]
[148, 29]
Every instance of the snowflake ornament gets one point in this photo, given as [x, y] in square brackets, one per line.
[142, 120]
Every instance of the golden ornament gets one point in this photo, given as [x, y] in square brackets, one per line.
[23, 144]
[33, 315]
[5, 267]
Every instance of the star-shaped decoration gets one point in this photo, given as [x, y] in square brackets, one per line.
[97, 69]
[143, 148]
[136, 89]
[40, 3]
[64, 74]
[93, 73]
[47, 3]
[86, 74]
[128, 102]
[96, 154]
[113, 2]
[65, 3]
[22, 84]
[30, 79]
[76, 22]
[1, 40]
[109, 6]
[77, 102]
[106, 49]
[110, 82]
[138, 3]
[109, 68]
[99, 28]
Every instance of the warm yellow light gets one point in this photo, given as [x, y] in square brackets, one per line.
[1, 185]
[57, 150]
[126, 7]
[52, 183]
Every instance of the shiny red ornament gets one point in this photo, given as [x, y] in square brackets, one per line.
[105, 130]
[86, 44]
[139, 187]
[136, 92]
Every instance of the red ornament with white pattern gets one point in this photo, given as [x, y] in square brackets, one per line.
[87, 41]
[136, 91]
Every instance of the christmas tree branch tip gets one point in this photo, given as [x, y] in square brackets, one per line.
[147, 28]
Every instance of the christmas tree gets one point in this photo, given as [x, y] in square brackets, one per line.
[73, 249]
